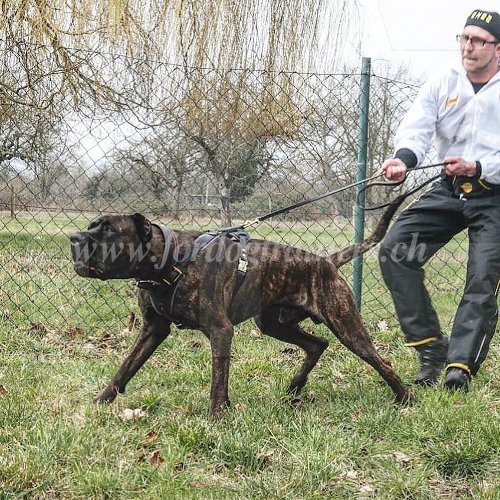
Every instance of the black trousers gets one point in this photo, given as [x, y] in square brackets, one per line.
[419, 232]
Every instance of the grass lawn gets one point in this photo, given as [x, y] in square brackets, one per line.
[62, 337]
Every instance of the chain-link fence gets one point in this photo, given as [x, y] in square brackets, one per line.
[190, 147]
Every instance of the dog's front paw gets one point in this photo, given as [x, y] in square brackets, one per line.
[217, 409]
[405, 398]
[296, 385]
[106, 396]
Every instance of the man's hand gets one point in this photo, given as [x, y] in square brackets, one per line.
[454, 165]
[394, 169]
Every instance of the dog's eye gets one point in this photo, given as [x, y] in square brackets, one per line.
[107, 229]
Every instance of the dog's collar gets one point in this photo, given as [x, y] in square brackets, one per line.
[168, 249]
[166, 287]
[166, 261]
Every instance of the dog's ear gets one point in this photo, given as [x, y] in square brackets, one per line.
[143, 227]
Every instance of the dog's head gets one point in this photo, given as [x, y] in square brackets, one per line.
[113, 246]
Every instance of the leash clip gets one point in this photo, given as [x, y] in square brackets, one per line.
[248, 223]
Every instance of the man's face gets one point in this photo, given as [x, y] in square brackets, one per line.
[476, 59]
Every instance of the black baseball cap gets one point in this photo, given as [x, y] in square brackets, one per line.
[489, 21]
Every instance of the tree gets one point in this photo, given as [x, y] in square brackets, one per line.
[333, 139]
[162, 161]
[53, 57]
[234, 119]
[51, 49]
[236, 167]
[297, 35]
[35, 140]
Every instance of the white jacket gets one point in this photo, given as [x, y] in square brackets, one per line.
[466, 124]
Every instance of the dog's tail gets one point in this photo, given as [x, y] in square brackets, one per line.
[346, 254]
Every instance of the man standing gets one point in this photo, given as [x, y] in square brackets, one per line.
[461, 106]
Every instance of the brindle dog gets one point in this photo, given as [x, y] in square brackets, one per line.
[281, 287]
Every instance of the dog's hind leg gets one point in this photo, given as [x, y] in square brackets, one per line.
[291, 332]
[348, 327]
[154, 331]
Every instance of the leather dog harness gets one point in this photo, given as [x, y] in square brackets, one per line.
[163, 292]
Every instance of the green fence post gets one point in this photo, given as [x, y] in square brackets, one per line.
[359, 214]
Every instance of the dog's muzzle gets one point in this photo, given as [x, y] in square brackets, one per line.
[82, 249]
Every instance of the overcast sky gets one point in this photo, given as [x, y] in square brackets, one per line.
[420, 33]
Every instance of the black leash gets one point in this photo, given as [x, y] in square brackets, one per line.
[397, 183]
[368, 180]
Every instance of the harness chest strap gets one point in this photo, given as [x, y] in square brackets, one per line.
[162, 293]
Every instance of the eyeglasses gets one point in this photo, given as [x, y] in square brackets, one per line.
[474, 40]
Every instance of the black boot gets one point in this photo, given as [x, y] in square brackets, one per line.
[432, 358]
[457, 379]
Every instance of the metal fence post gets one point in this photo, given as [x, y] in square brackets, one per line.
[359, 215]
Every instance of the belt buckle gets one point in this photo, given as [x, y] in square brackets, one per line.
[242, 266]
[466, 187]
